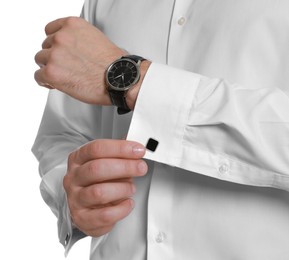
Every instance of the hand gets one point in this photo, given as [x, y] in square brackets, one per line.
[99, 183]
[74, 58]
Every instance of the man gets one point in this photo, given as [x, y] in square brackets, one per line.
[214, 183]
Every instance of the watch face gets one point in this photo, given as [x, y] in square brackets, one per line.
[122, 74]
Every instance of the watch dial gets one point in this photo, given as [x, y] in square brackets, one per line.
[122, 74]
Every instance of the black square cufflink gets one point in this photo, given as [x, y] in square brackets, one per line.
[152, 144]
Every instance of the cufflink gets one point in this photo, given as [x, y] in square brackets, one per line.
[152, 144]
[67, 238]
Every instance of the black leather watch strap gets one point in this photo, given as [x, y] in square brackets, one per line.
[119, 102]
[135, 58]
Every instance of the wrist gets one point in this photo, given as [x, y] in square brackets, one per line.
[132, 94]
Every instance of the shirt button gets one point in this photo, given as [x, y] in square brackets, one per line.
[160, 237]
[224, 168]
[181, 21]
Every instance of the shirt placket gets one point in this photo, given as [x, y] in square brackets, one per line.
[160, 207]
[161, 198]
[180, 15]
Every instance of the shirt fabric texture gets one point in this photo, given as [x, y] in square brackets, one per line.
[216, 98]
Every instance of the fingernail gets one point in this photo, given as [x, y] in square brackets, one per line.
[142, 167]
[138, 149]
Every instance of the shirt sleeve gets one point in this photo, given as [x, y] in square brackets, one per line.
[66, 125]
[213, 127]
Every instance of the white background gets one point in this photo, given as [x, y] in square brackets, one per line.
[28, 227]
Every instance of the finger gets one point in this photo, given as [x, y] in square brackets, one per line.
[40, 79]
[41, 58]
[105, 193]
[47, 43]
[54, 26]
[102, 170]
[106, 148]
[95, 219]
[99, 231]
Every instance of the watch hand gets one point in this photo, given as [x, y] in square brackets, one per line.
[119, 76]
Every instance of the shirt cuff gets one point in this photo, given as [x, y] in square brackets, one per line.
[166, 97]
[54, 195]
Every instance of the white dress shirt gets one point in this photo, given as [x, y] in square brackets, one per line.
[216, 98]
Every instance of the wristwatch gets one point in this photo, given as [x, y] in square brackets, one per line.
[121, 76]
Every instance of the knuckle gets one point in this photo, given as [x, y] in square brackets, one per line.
[106, 216]
[60, 37]
[46, 29]
[37, 56]
[50, 71]
[130, 165]
[70, 159]
[94, 148]
[94, 167]
[72, 20]
[123, 148]
[37, 77]
[66, 182]
[92, 196]
[98, 193]
[55, 55]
